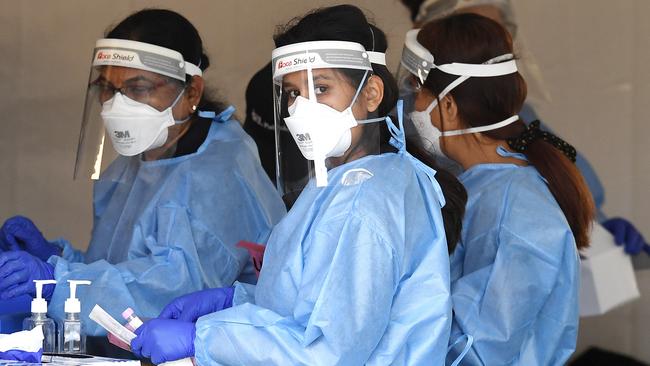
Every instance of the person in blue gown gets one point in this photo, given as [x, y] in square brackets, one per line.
[357, 272]
[167, 216]
[515, 271]
[624, 231]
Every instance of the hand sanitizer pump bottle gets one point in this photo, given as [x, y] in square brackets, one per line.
[72, 337]
[39, 317]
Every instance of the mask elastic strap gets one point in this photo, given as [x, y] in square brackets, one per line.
[493, 126]
[368, 120]
[363, 80]
[468, 345]
[174, 104]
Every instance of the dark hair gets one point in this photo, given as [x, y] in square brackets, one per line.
[413, 7]
[348, 23]
[171, 30]
[474, 39]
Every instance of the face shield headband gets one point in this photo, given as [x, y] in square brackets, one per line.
[319, 130]
[143, 56]
[419, 62]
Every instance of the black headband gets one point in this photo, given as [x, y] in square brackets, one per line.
[532, 133]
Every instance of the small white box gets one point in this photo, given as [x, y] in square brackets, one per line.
[606, 275]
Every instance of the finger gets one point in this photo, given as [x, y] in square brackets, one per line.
[188, 316]
[17, 278]
[10, 256]
[10, 268]
[158, 356]
[22, 289]
[12, 242]
[171, 311]
[136, 345]
[635, 242]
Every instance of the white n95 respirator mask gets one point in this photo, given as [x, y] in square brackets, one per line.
[319, 130]
[136, 127]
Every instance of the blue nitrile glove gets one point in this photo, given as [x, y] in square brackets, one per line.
[190, 307]
[16, 355]
[20, 233]
[18, 270]
[627, 235]
[164, 340]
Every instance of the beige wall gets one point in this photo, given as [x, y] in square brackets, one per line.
[593, 53]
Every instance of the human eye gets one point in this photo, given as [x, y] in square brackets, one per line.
[138, 91]
[320, 89]
[292, 93]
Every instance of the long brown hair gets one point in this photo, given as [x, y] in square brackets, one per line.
[474, 39]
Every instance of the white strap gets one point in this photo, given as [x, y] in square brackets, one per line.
[493, 126]
[479, 70]
[191, 69]
[377, 57]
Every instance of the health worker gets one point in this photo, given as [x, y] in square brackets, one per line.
[178, 182]
[515, 271]
[358, 271]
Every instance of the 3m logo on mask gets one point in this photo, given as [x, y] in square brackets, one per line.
[302, 137]
[122, 134]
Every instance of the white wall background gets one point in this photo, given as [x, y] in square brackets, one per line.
[593, 54]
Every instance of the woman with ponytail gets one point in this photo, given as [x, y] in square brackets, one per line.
[515, 272]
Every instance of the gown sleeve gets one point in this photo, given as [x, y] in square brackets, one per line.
[341, 313]
[180, 257]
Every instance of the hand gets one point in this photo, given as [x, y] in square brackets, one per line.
[18, 270]
[164, 340]
[16, 355]
[192, 306]
[627, 235]
[20, 233]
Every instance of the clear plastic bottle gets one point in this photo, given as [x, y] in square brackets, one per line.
[72, 338]
[39, 317]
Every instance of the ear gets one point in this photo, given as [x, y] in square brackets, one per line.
[194, 91]
[449, 110]
[373, 92]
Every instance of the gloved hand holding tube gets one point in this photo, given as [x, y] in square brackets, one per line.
[20, 233]
[164, 340]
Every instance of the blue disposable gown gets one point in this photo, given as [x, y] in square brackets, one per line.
[515, 272]
[169, 227]
[355, 274]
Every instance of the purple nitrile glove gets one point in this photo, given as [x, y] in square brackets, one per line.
[192, 306]
[16, 355]
[20, 233]
[627, 235]
[18, 270]
[164, 340]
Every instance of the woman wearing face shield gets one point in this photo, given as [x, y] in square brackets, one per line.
[177, 186]
[515, 272]
[357, 272]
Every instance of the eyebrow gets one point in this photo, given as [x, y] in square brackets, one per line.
[288, 84]
[322, 76]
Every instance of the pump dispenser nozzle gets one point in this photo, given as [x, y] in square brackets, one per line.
[72, 304]
[39, 305]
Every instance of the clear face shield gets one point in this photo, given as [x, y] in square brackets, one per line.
[319, 99]
[415, 66]
[132, 89]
